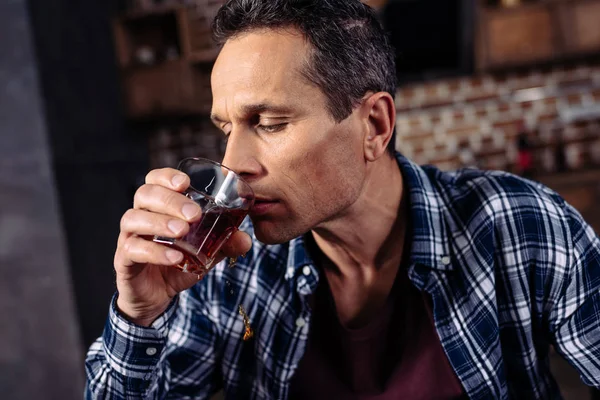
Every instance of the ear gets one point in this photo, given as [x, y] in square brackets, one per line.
[379, 113]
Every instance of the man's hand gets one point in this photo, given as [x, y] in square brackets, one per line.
[147, 280]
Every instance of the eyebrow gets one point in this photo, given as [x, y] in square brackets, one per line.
[253, 109]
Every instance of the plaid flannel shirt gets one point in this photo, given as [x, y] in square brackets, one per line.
[510, 266]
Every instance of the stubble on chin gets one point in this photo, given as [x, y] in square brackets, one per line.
[272, 233]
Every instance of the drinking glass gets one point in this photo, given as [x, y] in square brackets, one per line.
[225, 199]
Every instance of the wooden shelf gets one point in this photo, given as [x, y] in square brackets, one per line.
[169, 88]
[538, 32]
[155, 84]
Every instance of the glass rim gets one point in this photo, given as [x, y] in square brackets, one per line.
[216, 163]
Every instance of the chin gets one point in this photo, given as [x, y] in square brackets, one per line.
[271, 232]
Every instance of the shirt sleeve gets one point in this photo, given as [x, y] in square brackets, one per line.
[175, 356]
[576, 322]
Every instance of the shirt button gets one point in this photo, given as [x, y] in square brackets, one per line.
[151, 351]
[300, 322]
[306, 270]
[446, 260]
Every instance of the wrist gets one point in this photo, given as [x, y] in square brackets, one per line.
[140, 316]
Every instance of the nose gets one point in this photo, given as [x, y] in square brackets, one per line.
[240, 155]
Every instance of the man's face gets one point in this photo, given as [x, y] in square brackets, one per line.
[304, 167]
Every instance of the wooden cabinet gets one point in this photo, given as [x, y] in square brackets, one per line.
[537, 32]
[581, 26]
[169, 89]
[516, 37]
[165, 56]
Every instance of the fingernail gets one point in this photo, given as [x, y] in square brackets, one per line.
[190, 210]
[178, 180]
[176, 226]
[174, 256]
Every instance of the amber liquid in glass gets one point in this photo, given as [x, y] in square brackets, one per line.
[206, 236]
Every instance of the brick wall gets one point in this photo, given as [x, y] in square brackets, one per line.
[483, 114]
[486, 113]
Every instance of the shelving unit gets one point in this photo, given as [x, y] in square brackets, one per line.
[165, 55]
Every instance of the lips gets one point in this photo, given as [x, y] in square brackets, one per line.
[263, 206]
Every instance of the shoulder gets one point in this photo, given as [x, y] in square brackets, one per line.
[501, 215]
[496, 195]
[467, 192]
[489, 183]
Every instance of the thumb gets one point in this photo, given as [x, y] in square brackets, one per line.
[238, 244]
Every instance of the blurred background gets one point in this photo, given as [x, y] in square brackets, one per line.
[95, 93]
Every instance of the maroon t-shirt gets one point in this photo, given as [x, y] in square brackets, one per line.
[397, 355]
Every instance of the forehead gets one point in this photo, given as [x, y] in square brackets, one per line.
[265, 63]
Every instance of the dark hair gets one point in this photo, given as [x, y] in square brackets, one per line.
[351, 53]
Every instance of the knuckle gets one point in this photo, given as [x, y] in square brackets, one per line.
[117, 259]
[156, 176]
[156, 197]
[151, 176]
[139, 195]
[171, 200]
[148, 190]
[125, 219]
[168, 172]
[128, 244]
[143, 193]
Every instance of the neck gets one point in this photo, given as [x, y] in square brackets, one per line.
[368, 236]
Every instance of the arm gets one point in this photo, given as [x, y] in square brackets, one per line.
[174, 357]
[575, 317]
[160, 337]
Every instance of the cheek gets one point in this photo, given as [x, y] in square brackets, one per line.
[331, 171]
[311, 167]
[339, 158]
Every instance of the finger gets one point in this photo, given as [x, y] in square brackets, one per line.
[144, 223]
[136, 250]
[161, 200]
[169, 178]
[121, 238]
[238, 244]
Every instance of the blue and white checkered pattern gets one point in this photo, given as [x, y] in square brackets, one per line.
[510, 266]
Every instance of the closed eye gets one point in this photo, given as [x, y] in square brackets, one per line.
[272, 128]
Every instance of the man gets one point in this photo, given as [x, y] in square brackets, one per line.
[365, 276]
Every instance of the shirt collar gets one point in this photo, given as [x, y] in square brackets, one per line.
[430, 232]
[298, 256]
[430, 246]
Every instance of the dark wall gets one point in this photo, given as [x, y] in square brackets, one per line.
[40, 348]
[97, 158]
[431, 45]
